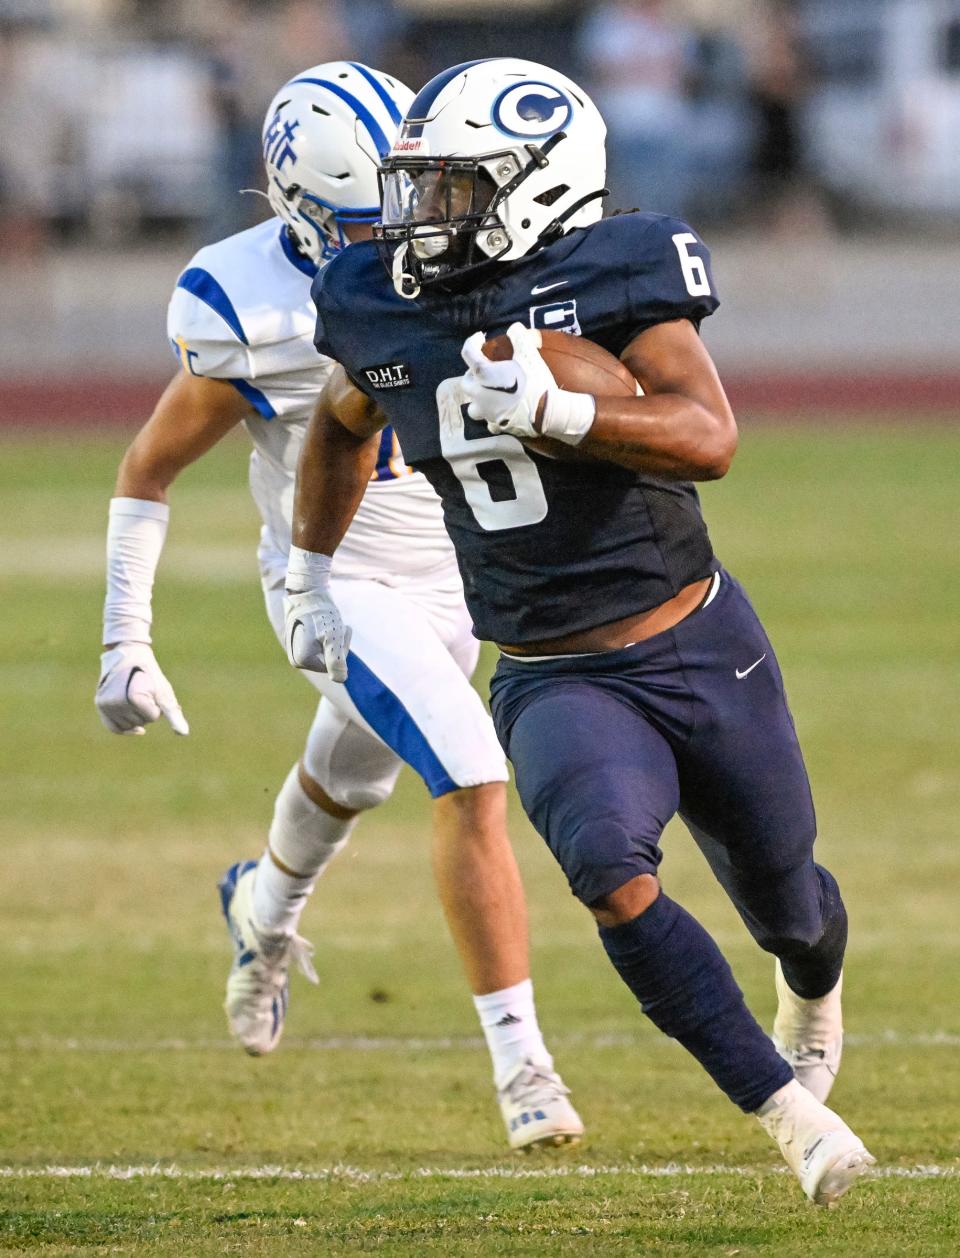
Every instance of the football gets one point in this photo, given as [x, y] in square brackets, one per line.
[578, 365]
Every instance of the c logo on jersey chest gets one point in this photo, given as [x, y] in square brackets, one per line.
[556, 316]
[531, 110]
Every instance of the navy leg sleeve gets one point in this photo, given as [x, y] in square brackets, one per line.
[686, 988]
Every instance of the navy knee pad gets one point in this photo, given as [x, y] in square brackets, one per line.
[804, 925]
[814, 970]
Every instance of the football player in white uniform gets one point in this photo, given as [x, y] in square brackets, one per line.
[241, 321]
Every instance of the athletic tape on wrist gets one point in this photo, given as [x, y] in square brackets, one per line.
[567, 416]
[307, 570]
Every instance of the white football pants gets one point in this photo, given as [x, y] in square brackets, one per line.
[408, 696]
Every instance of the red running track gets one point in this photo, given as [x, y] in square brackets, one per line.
[125, 403]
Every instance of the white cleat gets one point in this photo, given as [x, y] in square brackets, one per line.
[808, 1035]
[534, 1105]
[819, 1147]
[257, 984]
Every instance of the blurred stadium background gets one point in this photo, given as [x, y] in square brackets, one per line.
[812, 142]
[814, 145]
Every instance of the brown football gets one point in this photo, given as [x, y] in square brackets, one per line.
[578, 365]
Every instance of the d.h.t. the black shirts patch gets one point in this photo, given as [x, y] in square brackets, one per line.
[388, 376]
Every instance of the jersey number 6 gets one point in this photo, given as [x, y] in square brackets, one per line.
[500, 481]
[694, 268]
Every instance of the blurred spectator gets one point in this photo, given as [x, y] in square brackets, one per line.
[373, 28]
[639, 58]
[26, 191]
[783, 194]
[236, 157]
[440, 34]
[122, 117]
[721, 124]
[250, 49]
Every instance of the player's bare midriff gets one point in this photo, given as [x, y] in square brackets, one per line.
[619, 633]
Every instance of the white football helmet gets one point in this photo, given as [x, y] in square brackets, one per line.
[494, 159]
[324, 136]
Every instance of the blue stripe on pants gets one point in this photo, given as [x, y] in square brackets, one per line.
[387, 716]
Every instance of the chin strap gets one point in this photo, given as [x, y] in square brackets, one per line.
[553, 231]
[406, 283]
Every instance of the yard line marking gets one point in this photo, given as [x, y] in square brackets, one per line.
[423, 1043]
[357, 1175]
[222, 564]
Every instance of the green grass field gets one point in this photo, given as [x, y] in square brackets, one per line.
[129, 1124]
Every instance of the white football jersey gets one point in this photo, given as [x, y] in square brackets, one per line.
[242, 312]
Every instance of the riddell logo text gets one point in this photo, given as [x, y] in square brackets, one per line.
[389, 376]
[408, 146]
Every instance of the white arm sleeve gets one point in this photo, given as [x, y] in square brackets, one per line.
[135, 538]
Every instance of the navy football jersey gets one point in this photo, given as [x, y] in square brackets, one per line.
[545, 547]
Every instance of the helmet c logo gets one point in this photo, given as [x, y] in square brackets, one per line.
[531, 111]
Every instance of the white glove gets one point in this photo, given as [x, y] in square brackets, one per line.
[505, 395]
[133, 692]
[314, 635]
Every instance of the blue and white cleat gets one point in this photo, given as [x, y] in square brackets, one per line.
[534, 1105]
[257, 985]
[808, 1035]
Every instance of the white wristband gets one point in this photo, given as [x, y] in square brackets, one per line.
[135, 537]
[307, 570]
[568, 416]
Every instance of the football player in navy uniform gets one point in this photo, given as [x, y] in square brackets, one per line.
[635, 679]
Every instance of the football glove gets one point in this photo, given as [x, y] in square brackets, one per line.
[133, 692]
[314, 635]
[505, 395]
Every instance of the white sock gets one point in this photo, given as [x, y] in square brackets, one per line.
[304, 838]
[509, 1021]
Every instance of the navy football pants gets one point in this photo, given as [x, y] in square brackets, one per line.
[607, 747]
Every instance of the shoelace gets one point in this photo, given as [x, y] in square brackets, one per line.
[806, 1055]
[528, 1084]
[782, 1126]
[301, 953]
[277, 952]
[787, 1126]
